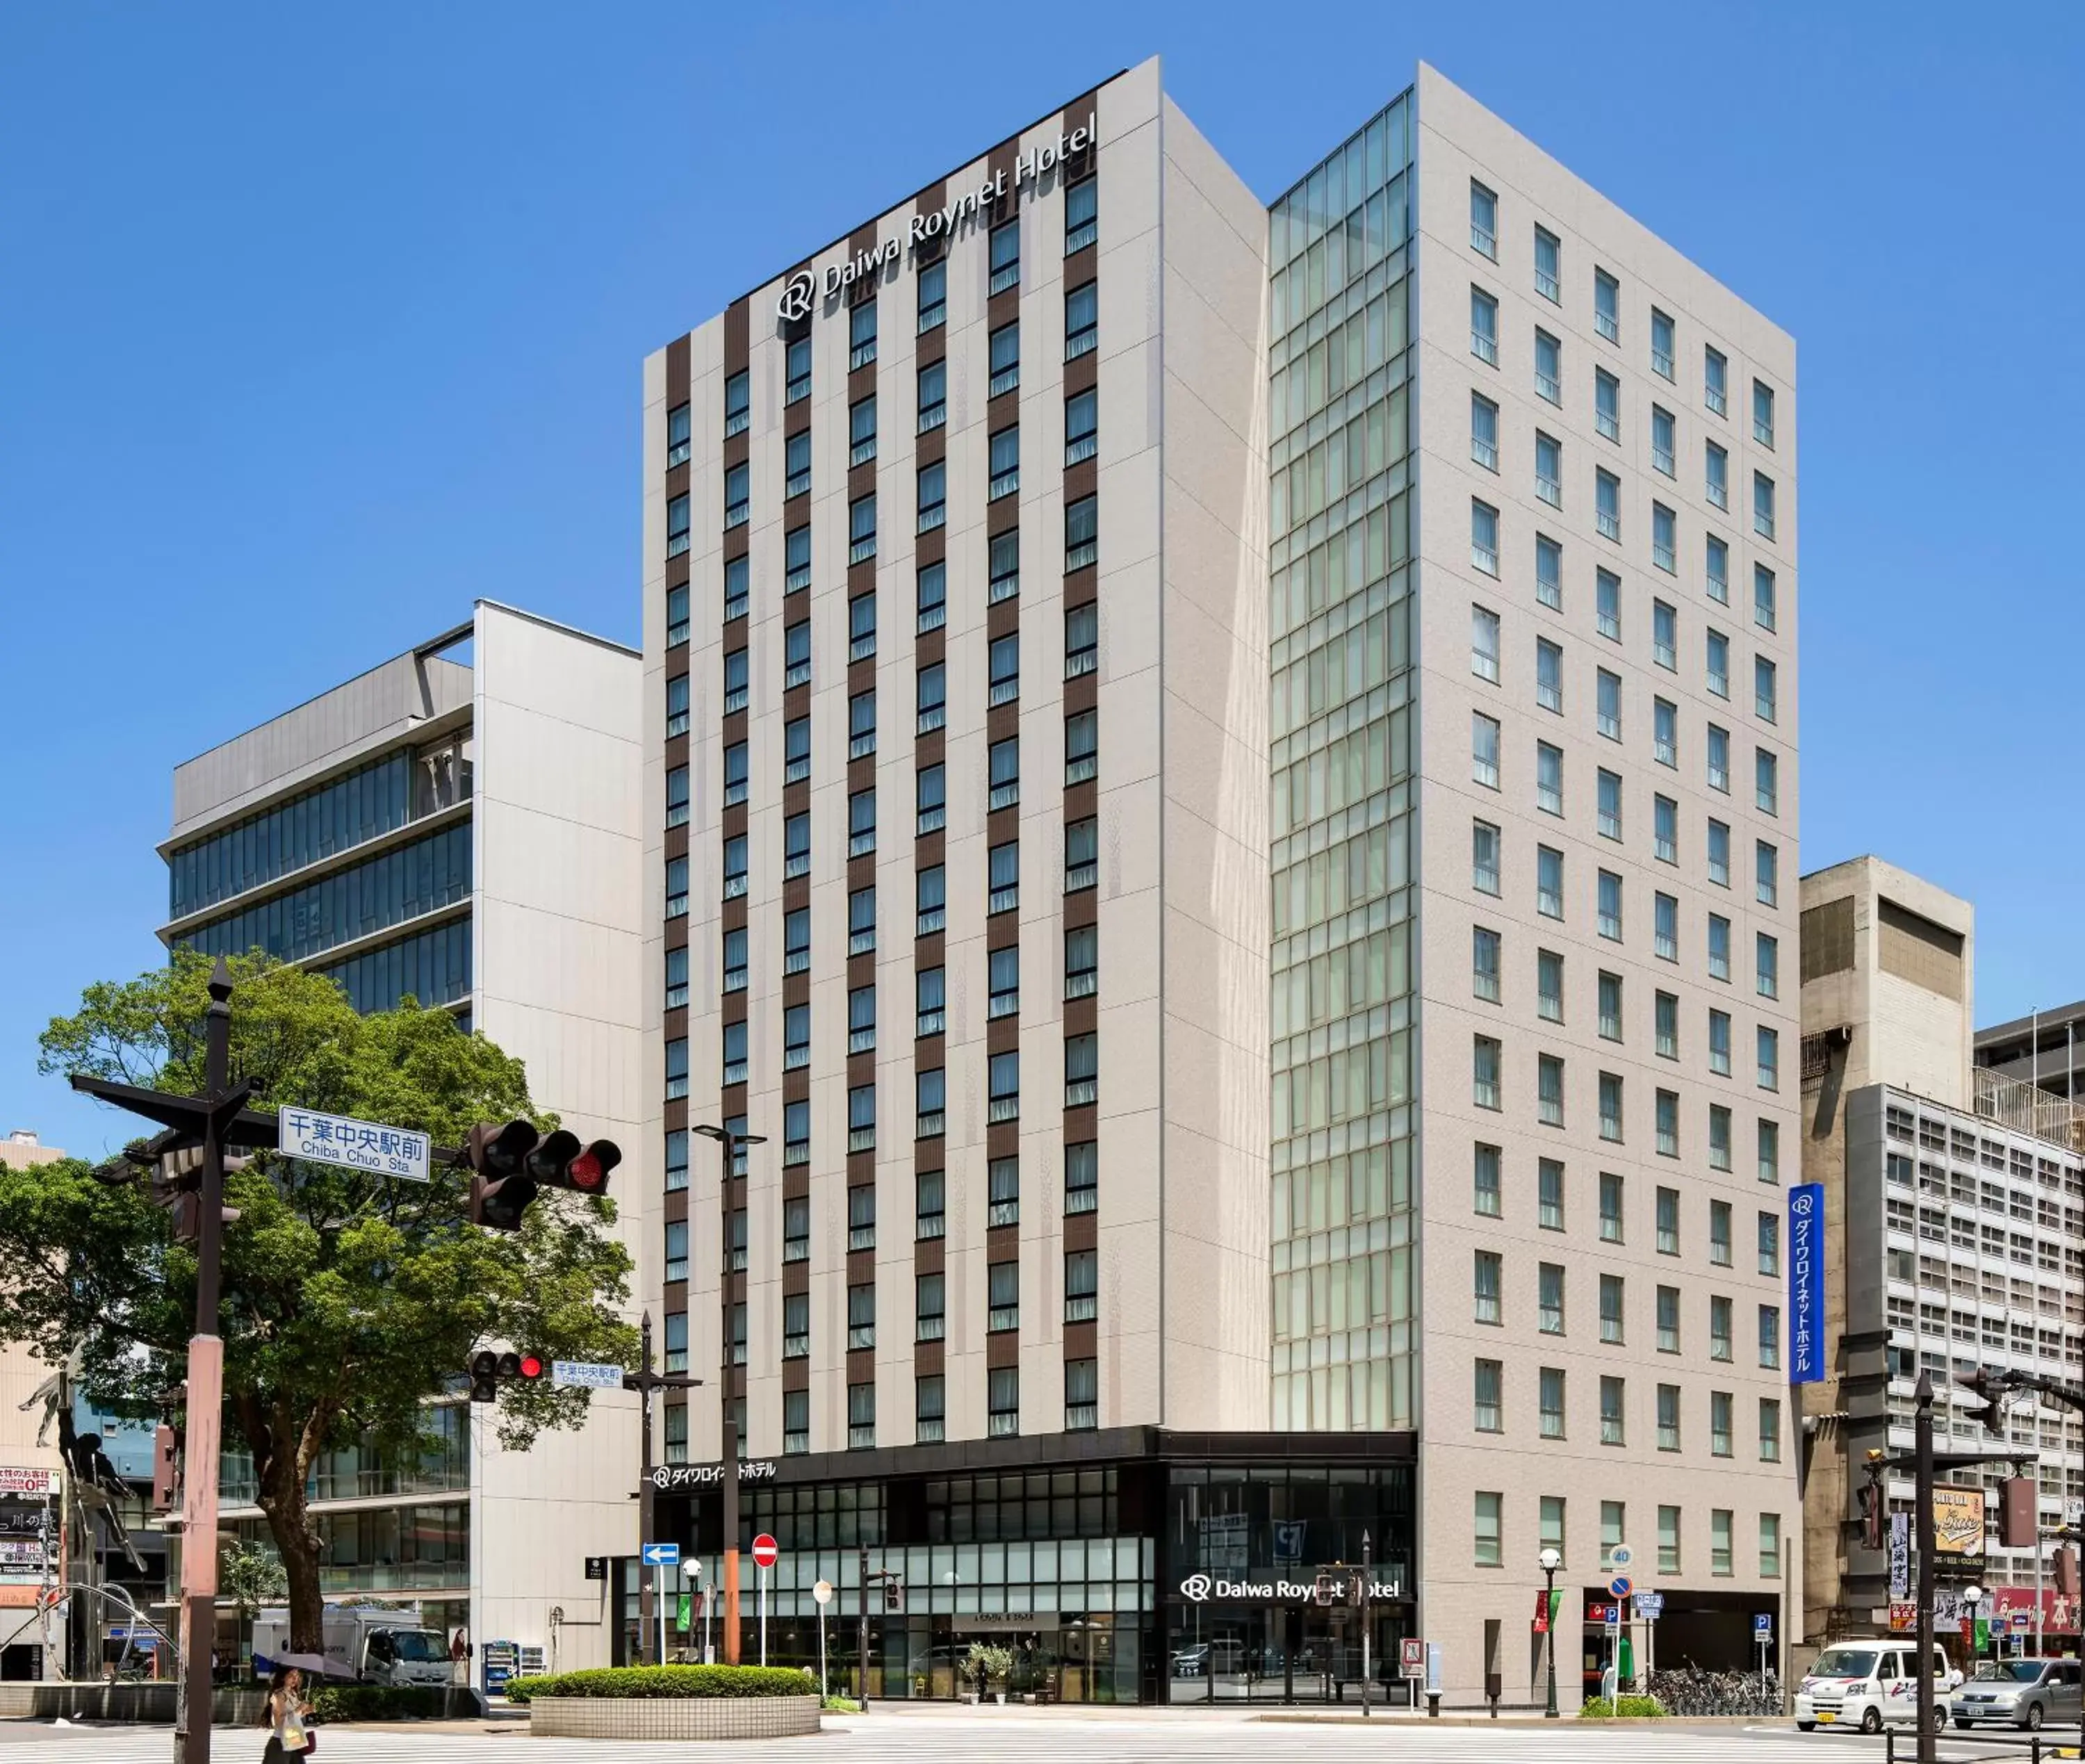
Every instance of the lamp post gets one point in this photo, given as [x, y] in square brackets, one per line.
[727, 1434]
[1972, 1596]
[1550, 1561]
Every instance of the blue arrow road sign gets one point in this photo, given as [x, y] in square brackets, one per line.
[663, 1555]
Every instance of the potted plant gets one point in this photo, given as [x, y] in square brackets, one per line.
[971, 1672]
[998, 1663]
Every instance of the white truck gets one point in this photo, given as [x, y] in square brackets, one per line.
[369, 1643]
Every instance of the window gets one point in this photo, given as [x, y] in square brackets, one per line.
[1717, 648]
[676, 1160]
[737, 492]
[1664, 442]
[1005, 1086]
[1082, 639]
[1608, 603]
[1003, 876]
[861, 627]
[1483, 537]
[1608, 513]
[1715, 373]
[1483, 431]
[1770, 1331]
[861, 1115]
[1607, 405]
[861, 529]
[1081, 533]
[1610, 906]
[861, 430]
[861, 1417]
[797, 750]
[1763, 684]
[934, 396]
[796, 468]
[1489, 1381]
[676, 880]
[1550, 1384]
[1607, 306]
[1549, 1089]
[1485, 1181]
[1762, 505]
[1716, 475]
[1549, 1298]
[734, 867]
[1081, 319]
[1762, 413]
[1081, 855]
[930, 1193]
[677, 1249]
[930, 1307]
[1483, 857]
[1485, 1075]
[930, 899]
[1484, 643]
[1664, 636]
[1719, 1329]
[1668, 1222]
[1082, 739]
[1769, 1150]
[1614, 1424]
[1549, 573]
[677, 615]
[1548, 882]
[1766, 965]
[1719, 1137]
[1082, 1069]
[797, 370]
[1610, 790]
[1082, 427]
[1004, 347]
[861, 1019]
[1667, 1111]
[1483, 326]
[1613, 1297]
[1611, 1007]
[861, 823]
[1763, 604]
[930, 1397]
[1005, 257]
[796, 1229]
[1666, 1020]
[930, 1099]
[1770, 1058]
[1082, 1389]
[1549, 468]
[1549, 985]
[930, 1000]
[1660, 344]
[676, 706]
[1004, 660]
[933, 295]
[1003, 1191]
[1082, 1176]
[1484, 964]
[797, 655]
[1548, 778]
[1665, 830]
[677, 796]
[1664, 927]
[1719, 1233]
[1668, 1418]
[677, 526]
[861, 724]
[1004, 968]
[1719, 1043]
[1717, 568]
[933, 495]
[1766, 781]
[930, 698]
[861, 1316]
[1547, 368]
[1081, 215]
[1668, 1540]
[1004, 1295]
[1770, 1437]
[1485, 749]
[1081, 1286]
[1665, 732]
[1664, 539]
[1549, 1194]
[734, 1053]
[1668, 1320]
[1488, 1550]
[1719, 1540]
[1549, 265]
[1483, 220]
[1608, 706]
[932, 595]
[1548, 675]
[1486, 1288]
[1766, 869]
[1719, 1423]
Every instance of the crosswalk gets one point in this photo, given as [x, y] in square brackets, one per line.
[953, 1737]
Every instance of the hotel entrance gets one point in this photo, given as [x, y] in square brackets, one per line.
[1283, 1653]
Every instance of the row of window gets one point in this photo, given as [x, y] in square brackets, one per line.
[1487, 847]
[1490, 1546]
[1606, 314]
[1486, 963]
[1487, 1092]
[1552, 1419]
[1486, 659]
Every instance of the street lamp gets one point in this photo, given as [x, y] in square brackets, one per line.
[1972, 1596]
[728, 1438]
[1550, 1561]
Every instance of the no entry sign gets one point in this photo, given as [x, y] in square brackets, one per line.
[764, 1550]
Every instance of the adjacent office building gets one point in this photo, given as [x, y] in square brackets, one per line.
[2042, 1050]
[1954, 1202]
[461, 824]
[1209, 808]
[34, 1467]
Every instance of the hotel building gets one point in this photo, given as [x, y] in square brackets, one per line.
[1209, 808]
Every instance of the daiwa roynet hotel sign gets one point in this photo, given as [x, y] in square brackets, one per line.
[806, 287]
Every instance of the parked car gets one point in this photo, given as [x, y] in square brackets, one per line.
[1867, 1685]
[2028, 1693]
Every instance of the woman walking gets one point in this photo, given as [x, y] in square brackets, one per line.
[284, 1715]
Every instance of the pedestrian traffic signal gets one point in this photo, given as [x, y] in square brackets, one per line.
[893, 1593]
[1872, 1504]
[2066, 1572]
[489, 1371]
[2019, 1521]
[510, 1165]
[1358, 1591]
[1989, 1393]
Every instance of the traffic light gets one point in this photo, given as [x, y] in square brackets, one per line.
[166, 1468]
[1357, 1591]
[1872, 1504]
[1323, 1592]
[2066, 1572]
[510, 1165]
[176, 1184]
[893, 1593]
[1989, 1393]
[561, 1162]
[489, 1370]
[2019, 1519]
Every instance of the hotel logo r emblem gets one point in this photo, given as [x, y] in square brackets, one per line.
[1195, 1587]
[797, 294]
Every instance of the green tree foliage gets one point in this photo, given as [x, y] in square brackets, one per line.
[348, 1299]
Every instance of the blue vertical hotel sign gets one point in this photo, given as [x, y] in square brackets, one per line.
[1806, 1284]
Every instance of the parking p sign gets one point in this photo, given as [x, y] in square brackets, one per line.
[1763, 1625]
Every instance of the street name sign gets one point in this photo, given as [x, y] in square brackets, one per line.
[586, 1374]
[353, 1144]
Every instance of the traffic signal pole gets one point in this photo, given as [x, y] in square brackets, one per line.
[1929, 1737]
[644, 1381]
[728, 1442]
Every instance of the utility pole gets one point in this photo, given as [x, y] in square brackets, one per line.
[644, 1381]
[727, 1444]
[1921, 1503]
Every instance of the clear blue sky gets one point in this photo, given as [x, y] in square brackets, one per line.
[319, 321]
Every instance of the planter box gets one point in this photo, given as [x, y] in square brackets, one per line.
[673, 1718]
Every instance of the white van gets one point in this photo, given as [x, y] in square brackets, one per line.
[1864, 1684]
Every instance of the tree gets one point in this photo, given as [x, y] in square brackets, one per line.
[349, 1300]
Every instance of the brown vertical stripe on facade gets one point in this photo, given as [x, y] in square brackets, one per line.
[678, 354]
[737, 326]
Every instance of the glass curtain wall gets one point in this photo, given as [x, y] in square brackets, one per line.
[1342, 685]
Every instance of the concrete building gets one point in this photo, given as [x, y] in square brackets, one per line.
[1952, 1230]
[1060, 634]
[463, 828]
[24, 1641]
[2044, 1050]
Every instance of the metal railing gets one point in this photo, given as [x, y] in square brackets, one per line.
[2028, 1107]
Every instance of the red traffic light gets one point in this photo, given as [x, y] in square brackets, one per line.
[530, 1368]
[589, 1171]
